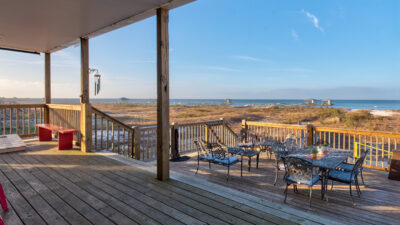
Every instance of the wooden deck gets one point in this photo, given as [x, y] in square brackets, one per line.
[379, 203]
[46, 186]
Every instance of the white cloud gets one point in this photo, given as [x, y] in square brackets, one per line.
[247, 58]
[314, 20]
[295, 35]
[218, 68]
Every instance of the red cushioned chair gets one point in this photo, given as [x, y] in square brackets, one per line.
[3, 203]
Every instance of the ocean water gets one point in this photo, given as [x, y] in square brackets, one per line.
[350, 104]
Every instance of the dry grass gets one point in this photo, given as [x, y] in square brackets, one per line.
[134, 114]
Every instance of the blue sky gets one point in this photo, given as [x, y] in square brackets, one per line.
[236, 49]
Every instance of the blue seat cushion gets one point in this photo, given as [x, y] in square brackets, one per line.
[346, 167]
[206, 157]
[306, 181]
[227, 160]
[341, 176]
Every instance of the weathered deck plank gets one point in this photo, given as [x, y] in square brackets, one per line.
[379, 203]
[95, 189]
[63, 209]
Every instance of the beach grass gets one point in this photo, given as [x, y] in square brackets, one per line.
[326, 117]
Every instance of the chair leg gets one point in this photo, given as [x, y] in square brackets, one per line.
[227, 178]
[249, 167]
[198, 165]
[351, 196]
[362, 177]
[295, 190]
[258, 159]
[332, 186]
[358, 188]
[286, 191]
[276, 172]
[209, 165]
[310, 195]
[241, 167]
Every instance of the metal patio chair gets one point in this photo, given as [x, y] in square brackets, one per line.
[299, 171]
[217, 155]
[350, 178]
[348, 167]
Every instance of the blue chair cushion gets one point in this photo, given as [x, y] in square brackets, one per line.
[346, 167]
[306, 181]
[341, 176]
[227, 160]
[220, 159]
[206, 157]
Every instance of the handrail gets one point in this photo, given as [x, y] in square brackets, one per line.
[209, 122]
[111, 118]
[65, 107]
[276, 125]
[357, 132]
[30, 105]
[213, 133]
[231, 131]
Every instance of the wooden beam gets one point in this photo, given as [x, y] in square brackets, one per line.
[86, 111]
[47, 78]
[47, 85]
[84, 71]
[162, 95]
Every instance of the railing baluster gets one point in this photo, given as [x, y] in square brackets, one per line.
[101, 128]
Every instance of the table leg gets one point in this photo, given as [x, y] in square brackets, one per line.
[258, 159]
[324, 185]
[249, 163]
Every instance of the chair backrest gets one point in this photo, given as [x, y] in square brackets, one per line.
[298, 168]
[202, 147]
[291, 142]
[279, 149]
[358, 165]
[252, 138]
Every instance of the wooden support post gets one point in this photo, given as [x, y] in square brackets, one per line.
[84, 71]
[86, 112]
[244, 131]
[222, 134]
[174, 141]
[162, 95]
[86, 128]
[47, 86]
[310, 135]
[136, 142]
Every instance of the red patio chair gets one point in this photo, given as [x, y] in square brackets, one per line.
[3, 201]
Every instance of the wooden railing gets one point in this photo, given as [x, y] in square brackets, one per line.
[276, 132]
[21, 119]
[380, 144]
[68, 116]
[111, 134]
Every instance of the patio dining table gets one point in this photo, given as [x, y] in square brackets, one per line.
[326, 162]
[245, 152]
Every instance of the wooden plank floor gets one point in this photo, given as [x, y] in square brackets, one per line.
[379, 203]
[46, 186]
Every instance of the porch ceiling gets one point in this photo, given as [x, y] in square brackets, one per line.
[51, 25]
